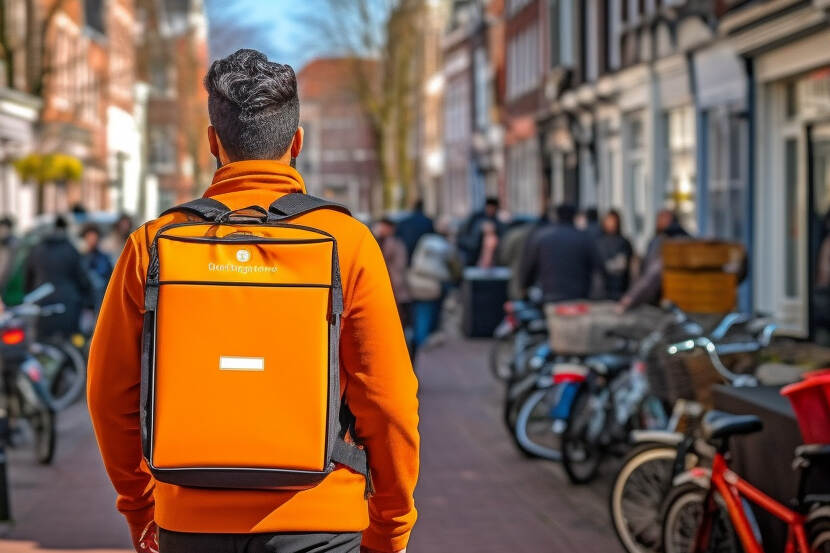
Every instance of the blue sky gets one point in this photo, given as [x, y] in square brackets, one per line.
[279, 28]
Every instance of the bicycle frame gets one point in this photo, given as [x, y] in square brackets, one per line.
[733, 489]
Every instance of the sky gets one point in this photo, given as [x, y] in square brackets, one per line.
[282, 29]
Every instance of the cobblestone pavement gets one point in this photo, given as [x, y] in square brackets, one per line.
[476, 493]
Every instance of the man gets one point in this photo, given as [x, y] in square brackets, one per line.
[648, 287]
[413, 227]
[394, 255]
[561, 259]
[97, 264]
[118, 237]
[254, 134]
[470, 235]
[56, 261]
[512, 249]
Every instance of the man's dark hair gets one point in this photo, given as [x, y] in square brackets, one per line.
[7, 222]
[253, 105]
[61, 222]
[492, 201]
[592, 214]
[90, 227]
[565, 213]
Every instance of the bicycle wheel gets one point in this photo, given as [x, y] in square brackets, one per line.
[65, 369]
[43, 426]
[582, 455]
[514, 396]
[534, 432]
[683, 517]
[637, 496]
[818, 529]
[501, 358]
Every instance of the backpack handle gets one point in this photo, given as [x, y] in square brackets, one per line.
[296, 203]
[243, 215]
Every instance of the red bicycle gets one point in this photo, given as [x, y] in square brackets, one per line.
[709, 510]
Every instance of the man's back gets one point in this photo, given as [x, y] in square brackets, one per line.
[564, 260]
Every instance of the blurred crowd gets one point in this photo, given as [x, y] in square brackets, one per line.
[563, 255]
[74, 252]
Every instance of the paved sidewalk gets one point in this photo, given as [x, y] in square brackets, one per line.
[476, 493]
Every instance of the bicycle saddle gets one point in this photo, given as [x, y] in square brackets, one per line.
[718, 425]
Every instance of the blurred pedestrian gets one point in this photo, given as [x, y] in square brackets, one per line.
[561, 259]
[97, 264]
[470, 235]
[435, 265]
[821, 291]
[511, 251]
[588, 220]
[113, 244]
[8, 249]
[394, 254]
[412, 227]
[56, 261]
[615, 254]
[648, 287]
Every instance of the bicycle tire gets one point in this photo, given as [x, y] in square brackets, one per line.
[520, 430]
[818, 529]
[681, 520]
[45, 431]
[644, 466]
[574, 444]
[68, 383]
[501, 357]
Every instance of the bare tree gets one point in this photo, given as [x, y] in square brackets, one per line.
[387, 33]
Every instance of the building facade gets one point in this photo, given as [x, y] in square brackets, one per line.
[338, 161]
[173, 59]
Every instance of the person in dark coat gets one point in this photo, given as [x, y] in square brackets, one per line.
[413, 227]
[55, 260]
[470, 235]
[615, 254]
[97, 264]
[561, 259]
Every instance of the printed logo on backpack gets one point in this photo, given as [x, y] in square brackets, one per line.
[240, 369]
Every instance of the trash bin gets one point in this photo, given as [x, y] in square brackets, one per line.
[483, 293]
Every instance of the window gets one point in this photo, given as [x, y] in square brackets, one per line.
[681, 173]
[524, 65]
[561, 32]
[482, 93]
[523, 177]
[513, 6]
[591, 40]
[727, 195]
[613, 20]
[94, 15]
[163, 148]
[456, 110]
[162, 78]
[636, 193]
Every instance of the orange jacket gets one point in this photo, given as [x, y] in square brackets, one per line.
[376, 378]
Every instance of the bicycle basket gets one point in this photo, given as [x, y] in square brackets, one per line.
[810, 399]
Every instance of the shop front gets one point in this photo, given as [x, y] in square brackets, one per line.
[793, 207]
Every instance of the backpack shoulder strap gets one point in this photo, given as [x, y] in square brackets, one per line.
[297, 203]
[204, 208]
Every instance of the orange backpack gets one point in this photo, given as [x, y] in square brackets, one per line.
[240, 382]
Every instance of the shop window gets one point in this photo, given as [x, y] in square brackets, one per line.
[727, 188]
[681, 172]
[94, 15]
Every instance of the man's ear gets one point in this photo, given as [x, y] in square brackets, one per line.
[297, 143]
[213, 140]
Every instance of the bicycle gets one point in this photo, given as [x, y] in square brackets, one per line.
[645, 476]
[710, 511]
[25, 398]
[522, 329]
[610, 404]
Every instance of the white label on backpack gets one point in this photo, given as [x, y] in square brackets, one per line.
[241, 363]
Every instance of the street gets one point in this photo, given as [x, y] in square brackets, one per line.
[476, 493]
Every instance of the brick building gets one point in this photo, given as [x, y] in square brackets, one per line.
[338, 159]
[173, 60]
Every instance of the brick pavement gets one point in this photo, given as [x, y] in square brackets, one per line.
[476, 493]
